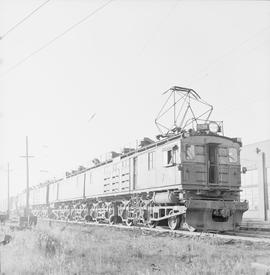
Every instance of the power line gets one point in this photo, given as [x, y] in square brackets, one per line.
[92, 116]
[47, 44]
[24, 19]
[159, 26]
[205, 70]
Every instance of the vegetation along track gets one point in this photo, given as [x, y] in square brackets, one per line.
[245, 235]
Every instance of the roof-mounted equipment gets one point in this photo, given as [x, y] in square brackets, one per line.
[186, 108]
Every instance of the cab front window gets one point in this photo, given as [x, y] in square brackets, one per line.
[190, 152]
[233, 155]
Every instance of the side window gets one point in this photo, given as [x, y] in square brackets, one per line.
[190, 152]
[151, 160]
[233, 157]
[168, 157]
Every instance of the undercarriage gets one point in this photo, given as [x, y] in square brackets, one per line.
[201, 215]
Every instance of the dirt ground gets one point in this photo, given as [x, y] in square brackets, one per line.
[105, 250]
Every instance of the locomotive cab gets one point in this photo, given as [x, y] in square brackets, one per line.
[211, 180]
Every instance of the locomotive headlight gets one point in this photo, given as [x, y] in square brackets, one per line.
[213, 127]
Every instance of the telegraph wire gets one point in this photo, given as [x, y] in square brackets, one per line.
[204, 72]
[92, 116]
[23, 19]
[207, 72]
[159, 26]
[47, 44]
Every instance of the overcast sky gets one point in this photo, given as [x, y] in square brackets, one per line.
[116, 65]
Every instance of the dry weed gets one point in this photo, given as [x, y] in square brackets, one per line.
[95, 250]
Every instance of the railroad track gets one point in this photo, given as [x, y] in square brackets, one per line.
[256, 236]
[253, 231]
[255, 225]
[250, 233]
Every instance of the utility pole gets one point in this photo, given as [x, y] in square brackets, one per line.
[8, 170]
[265, 187]
[8, 205]
[27, 177]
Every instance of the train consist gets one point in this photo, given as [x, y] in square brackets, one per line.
[190, 177]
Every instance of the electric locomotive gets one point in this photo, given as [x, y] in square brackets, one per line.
[190, 177]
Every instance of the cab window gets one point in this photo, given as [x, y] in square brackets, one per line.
[233, 157]
[190, 152]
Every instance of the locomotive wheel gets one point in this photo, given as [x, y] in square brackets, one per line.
[152, 224]
[88, 218]
[119, 219]
[129, 222]
[174, 222]
[94, 215]
[188, 227]
[113, 219]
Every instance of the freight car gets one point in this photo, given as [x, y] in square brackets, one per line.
[188, 178]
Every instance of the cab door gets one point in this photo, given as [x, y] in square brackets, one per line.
[212, 163]
[194, 164]
[223, 165]
[223, 168]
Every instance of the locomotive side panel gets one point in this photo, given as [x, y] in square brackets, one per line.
[112, 184]
[71, 188]
[158, 167]
[111, 178]
[146, 173]
[53, 192]
[125, 178]
[167, 169]
[94, 182]
[38, 196]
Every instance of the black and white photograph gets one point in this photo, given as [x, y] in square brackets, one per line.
[134, 137]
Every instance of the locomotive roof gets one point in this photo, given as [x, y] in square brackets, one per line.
[157, 143]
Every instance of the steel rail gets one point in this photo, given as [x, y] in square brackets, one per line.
[243, 236]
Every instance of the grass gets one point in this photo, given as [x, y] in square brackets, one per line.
[99, 250]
